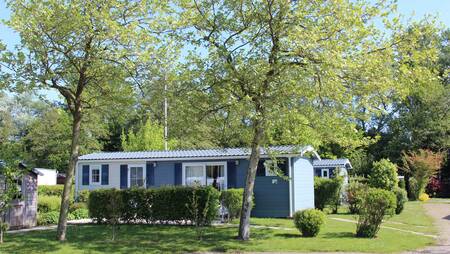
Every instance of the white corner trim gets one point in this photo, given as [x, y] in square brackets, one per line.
[291, 179]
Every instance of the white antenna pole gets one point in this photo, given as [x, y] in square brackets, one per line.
[165, 115]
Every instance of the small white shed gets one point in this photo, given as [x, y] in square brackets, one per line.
[47, 176]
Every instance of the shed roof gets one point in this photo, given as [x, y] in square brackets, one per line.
[196, 153]
[332, 163]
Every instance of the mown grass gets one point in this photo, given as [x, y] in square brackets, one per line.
[334, 236]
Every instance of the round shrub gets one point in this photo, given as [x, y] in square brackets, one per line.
[48, 203]
[401, 197]
[383, 175]
[49, 218]
[309, 221]
[373, 205]
[424, 197]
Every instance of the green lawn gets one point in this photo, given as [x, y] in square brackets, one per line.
[335, 236]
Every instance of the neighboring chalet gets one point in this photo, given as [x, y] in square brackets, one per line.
[327, 168]
[226, 168]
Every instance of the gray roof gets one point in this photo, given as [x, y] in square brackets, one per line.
[332, 163]
[197, 153]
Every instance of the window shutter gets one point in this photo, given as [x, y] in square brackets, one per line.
[178, 174]
[318, 172]
[85, 180]
[105, 174]
[231, 174]
[150, 174]
[123, 176]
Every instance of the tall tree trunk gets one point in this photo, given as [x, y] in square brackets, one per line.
[65, 201]
[244, 224]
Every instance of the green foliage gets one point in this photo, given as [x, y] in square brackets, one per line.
[354, 189]
[383, 175]
[48, 203]
[80, 213]
[163, 204]
[50, 190]
[76, 206]
[83, 196]
[373, 205]
[401, 183]
[309, 221]
[48, 218]
[231, 199]
[149, 136]
[326, 191]
[401, 197]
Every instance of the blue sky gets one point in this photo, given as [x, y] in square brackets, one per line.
[408, 8]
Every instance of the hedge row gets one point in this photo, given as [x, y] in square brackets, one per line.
[51, 190]
[174, 204]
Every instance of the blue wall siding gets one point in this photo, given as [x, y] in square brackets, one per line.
[271, 197]
[241, 173]
[164, 173]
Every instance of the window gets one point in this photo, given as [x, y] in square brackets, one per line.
[136, 176]
[205, 173]
[270, 166]
[325, 173]
[194, 175]
[95, 175]
[215, 176]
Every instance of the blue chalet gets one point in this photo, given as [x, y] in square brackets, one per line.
[223, 168]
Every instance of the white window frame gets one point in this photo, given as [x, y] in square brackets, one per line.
[92, 168]
[203, 165]
[144, 174]
[325, 170]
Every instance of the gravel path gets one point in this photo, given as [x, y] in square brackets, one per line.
[440, 212]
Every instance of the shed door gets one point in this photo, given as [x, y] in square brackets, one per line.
[271, 197]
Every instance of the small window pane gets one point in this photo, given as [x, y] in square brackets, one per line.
[95, 175]
[136, 176]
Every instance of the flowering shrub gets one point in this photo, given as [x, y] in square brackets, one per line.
[434, 186]
[424, 197]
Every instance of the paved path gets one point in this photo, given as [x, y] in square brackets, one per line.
[440, 212]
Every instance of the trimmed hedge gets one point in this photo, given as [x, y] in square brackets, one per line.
[165, 204]
[309, 221]
[50, 190]
[48, 203]
[326, 191]
[232, 200]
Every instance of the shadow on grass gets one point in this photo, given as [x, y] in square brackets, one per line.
[338, 235]
[289, 235]
[130, 239]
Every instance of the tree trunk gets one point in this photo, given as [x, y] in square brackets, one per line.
[65, 201]
[1, 235]
[244, 224]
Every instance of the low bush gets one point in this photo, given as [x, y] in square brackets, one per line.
[309, 221]
[327, 191]
[373, 205]
[162, 204]
[80, 213]
[401, 197]
[383, 175]
[402, 184]
[48, 218]
[48, 203]
[424, 197]
[83, 196]
[50, 190]
[354, 189]
[76, 206]
[232, 200]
